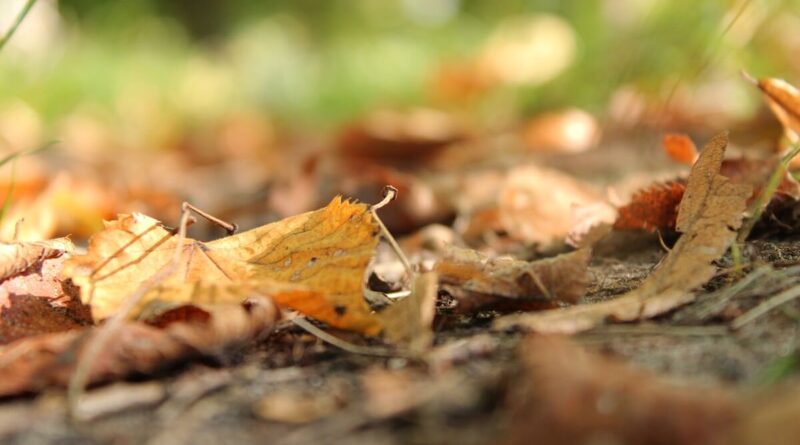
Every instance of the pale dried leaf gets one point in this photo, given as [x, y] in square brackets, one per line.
[489, 280]
[709, 215]
[16, 258]
[536, 204]
[408, 321]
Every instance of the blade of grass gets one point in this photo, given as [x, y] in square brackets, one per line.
[766, 194]
[7, 201]
[10, 158]
[17, 22]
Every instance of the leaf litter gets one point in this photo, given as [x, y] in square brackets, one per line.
[229, 294]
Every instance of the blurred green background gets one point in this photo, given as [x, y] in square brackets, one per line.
[324, 62]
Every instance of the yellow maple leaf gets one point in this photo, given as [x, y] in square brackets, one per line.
[314, 263]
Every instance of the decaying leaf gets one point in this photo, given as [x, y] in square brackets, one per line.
[48, 360]
[569, 395]
[314, 263]
[653, 208]
[478, 280]
[31, 297]
[709, 215]
[16, 258]
[536, 204]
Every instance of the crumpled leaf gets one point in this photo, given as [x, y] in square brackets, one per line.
[568, 395]
[536, 204]
[314, 263]
[31, 297]
[35, 363]
[653, 208]
[18, 257]
[478, 281]
[709, 215]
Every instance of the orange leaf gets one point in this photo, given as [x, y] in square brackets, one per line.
[314, 263]
[680, 148]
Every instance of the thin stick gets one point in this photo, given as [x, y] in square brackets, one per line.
[765, 307]
[96, 343]
[17, 22]
[231, 228]
[345, 345]
[389, 195]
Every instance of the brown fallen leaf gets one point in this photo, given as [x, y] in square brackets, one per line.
[568, 395]
[709, 214]
[479, 281]
[31, 364]
[653, 208]
[400, 137]
[771, 417]
[408, 322]
[536, 204]
[314, 263]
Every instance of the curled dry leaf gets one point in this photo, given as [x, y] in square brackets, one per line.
[536, 204]
[31, 297]
[35, 363]
[709, 215]
[568, 395]
[16, 258]
[784, 101]
[477, 280]
[653, 208]
[314, 263]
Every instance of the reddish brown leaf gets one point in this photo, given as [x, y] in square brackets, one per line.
[653, 208]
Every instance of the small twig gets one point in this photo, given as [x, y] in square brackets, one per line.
[231, 228]
[345, 345]
[81, 374]
[661, 241]
[389, 194]
[20, 17]
[765, 307]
